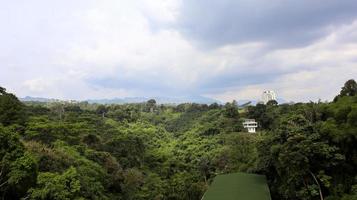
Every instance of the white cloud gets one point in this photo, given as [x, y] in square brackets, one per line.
[70, 87]
[36, 85]
[61, 52]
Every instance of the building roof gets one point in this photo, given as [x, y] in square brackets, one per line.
[250, 123]
[238, 186]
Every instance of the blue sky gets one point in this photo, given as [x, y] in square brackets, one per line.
[227, 49]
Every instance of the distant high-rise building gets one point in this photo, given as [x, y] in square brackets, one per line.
[268, 96]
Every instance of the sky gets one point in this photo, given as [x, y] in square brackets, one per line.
[224, 49]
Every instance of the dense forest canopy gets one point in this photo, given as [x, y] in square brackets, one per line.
[163, 152]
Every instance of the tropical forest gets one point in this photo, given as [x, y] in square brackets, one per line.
[139, 151]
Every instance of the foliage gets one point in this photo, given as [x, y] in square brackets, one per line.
[12, 111]
[18, 169]
[57, 186]
[293, 155]
[141, 151]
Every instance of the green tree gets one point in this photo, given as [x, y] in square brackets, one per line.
[11, 109]
[129, 149]
[151, 104]
[349, 89]
[133, 179]
[262, 114]
[231, 110]
[296, 159]
[18, 169]
[102, 110]
[56, 186]
[214, 106]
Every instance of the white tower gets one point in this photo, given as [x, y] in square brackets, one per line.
[268, 96]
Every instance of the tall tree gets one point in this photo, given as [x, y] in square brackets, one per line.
[349, 89]
[102, 110]
[12, 111]
[151, 104]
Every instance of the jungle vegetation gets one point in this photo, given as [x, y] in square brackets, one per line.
[143, 151]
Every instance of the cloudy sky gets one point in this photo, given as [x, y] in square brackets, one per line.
[224, 49]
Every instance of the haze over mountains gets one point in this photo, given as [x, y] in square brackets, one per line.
[159, 100]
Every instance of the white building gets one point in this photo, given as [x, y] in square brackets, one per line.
[268, 96]
[251, 125]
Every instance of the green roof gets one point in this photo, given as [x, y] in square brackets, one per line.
[238, 186]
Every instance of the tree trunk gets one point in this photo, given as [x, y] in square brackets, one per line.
[318, 184]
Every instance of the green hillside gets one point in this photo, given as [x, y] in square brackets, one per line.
[238, 186]
[148, 151]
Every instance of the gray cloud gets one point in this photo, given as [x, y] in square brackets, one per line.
[116, 48]
[280, 23]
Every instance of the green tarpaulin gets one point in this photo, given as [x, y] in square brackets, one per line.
[238, 186]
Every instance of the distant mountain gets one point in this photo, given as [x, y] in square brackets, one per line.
[159, 100]
[38, 99]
